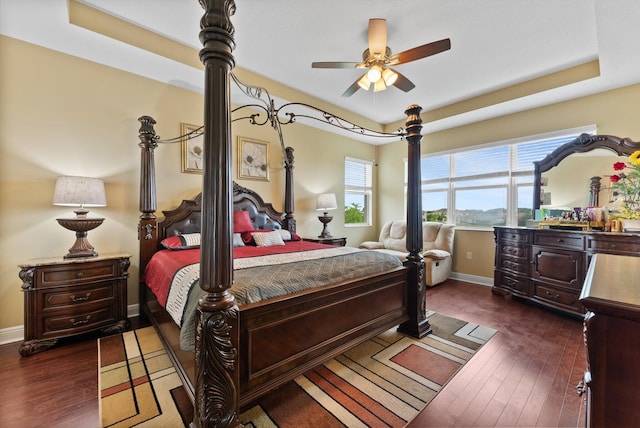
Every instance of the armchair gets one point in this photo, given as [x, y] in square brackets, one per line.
[437, 247]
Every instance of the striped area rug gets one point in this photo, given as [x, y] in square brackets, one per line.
[138, 384]
[384, 382]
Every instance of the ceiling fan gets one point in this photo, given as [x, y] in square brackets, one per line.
[377, 58]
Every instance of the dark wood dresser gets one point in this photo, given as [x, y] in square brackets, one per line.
[65, 297]
[611, 295]
[548, 266]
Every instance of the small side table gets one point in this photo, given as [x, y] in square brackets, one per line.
[65, 297]
[336, 242]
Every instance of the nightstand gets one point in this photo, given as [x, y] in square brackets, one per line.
[66, 297]
[336, 242]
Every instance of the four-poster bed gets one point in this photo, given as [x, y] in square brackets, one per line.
[242, 352]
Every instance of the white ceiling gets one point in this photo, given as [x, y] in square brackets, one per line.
[495, 44]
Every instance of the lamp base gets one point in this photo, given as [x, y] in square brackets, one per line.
[82, 247]
[325, 219]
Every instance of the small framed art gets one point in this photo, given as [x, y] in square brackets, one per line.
[253, 159]
[192, 148]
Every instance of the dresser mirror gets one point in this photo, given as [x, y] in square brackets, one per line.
[587, 156]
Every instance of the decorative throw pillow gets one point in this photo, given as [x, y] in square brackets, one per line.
[185, 241]
[267, 239]
[241, 222]
[285, 234]
[237, 240]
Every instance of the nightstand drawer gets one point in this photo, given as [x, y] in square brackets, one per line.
[68, 297]
[55, 325]
[54, 276]
[76, 296]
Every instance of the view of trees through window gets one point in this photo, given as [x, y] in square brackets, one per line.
[484, 187]
[357, 191]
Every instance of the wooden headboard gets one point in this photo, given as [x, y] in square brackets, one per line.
[186, 217]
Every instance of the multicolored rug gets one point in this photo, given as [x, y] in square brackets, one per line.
[138, 384]
[384, 381]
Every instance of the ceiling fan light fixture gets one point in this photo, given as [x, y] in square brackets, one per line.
[364, 82]
[389, 76]
[375, 73]
[379, 86]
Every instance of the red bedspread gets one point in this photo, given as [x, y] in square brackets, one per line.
[165, 263]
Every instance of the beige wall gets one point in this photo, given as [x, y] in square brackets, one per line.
[61, 115]
[613, 112]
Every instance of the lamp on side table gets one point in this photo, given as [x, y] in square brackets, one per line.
[80, 192]
[326, 202]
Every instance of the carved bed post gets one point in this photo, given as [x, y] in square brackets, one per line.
[417, 325]
[289, 221]
[217, 383]
[148, 224]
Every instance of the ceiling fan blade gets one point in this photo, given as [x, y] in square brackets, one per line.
[335, 64]
[421, 52]
[351, 89]
[403, 83]
[377, 36]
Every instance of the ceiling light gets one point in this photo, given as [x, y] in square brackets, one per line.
[374, 73]
[389, 76]
[379, 86]
[364, 82]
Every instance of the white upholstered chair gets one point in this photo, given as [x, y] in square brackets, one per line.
[437, 247]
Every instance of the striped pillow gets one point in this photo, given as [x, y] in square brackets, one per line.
[185, 241]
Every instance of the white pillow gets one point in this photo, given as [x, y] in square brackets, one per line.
[284, 234]
[237, 240]
[267, 239]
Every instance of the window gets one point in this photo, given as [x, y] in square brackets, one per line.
[357, 192]
[486, 186]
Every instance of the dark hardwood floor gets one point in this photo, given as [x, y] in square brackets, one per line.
[524, 376]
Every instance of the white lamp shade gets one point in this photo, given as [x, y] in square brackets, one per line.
[79, 191]
[326, 201]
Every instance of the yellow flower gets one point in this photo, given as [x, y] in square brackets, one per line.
[634, 158]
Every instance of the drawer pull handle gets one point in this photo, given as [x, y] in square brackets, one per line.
[80, 322]
[80, 275]
[559, 240]
[552, 296]
[80, 299]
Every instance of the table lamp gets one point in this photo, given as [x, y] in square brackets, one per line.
[80, 192]
[325, 202]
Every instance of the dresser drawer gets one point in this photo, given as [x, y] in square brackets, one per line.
[517, 285]
[514, 251]
[57, 275]
[513, 235]
[517, 266]
[560, 240]
[614, 244]
[76, 297]
[67, 324]
[558, 297]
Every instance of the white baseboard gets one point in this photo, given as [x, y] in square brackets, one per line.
[11, 334]
[16, 334]
[475, 279]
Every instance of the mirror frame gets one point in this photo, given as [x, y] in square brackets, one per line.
[583, 143]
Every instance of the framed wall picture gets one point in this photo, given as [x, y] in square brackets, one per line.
[192, 148]
[253, 159]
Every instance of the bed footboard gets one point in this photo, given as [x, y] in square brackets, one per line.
[291, 335]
